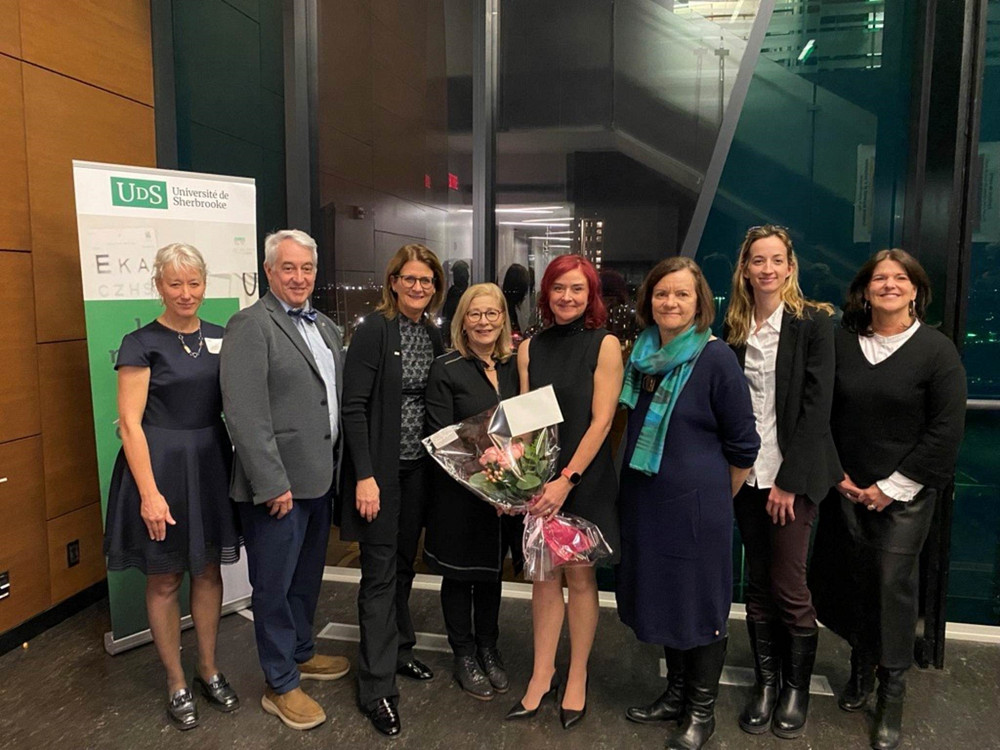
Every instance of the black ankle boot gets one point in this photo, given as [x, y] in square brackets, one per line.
[888, 727]
[861, 682]
[670, 705]
[756, 715]
[702, 670]
[789, 720]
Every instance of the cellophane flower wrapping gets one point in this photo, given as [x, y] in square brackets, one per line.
[562, 540]
[507, 472]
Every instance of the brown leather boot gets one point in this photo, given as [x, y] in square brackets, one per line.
[296, 709]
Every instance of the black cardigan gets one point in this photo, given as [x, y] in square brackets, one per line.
[904, 414]
[465, 539]
[370, 422]
[804, 371]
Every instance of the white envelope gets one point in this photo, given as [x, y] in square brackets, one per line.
[525, 413]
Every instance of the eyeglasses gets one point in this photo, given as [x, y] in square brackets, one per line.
[492, 316]
[427, 282]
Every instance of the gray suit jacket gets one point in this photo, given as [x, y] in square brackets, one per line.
[275, 404]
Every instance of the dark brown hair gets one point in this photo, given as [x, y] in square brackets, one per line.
[858, 313]
[705, 311]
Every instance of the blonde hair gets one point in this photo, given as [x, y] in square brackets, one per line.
[178, 255]
[388, 305]
[504, 346]
[739, 316]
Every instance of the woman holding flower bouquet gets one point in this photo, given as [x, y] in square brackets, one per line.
[689, 445]
[466, 540]
[582, 361]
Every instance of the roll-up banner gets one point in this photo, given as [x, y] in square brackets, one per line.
[124, 215]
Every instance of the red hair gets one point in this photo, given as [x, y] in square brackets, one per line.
[596, 315]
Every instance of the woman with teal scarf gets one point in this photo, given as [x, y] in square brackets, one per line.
[689, 444]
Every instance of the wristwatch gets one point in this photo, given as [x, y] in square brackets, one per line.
[573, 476]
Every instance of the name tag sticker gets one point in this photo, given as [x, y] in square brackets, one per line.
[214, 346]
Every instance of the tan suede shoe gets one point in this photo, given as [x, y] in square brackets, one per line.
[296, 709]
[323, 667]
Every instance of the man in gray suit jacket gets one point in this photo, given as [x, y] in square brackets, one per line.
[281, 372]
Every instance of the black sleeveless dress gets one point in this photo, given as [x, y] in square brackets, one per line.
[565, 357]
[191, 458]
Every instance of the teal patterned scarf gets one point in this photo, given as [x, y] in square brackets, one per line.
[675, 361]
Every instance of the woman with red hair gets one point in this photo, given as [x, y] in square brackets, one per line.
[583, 363]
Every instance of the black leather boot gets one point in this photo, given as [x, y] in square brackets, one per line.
[702, 670]
[861, 682]
[888, 727]
[670, 705]
[789, 720]
[756, 715]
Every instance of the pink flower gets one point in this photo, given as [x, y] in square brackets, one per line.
[516, 451]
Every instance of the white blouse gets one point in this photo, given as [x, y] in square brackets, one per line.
[759, 368]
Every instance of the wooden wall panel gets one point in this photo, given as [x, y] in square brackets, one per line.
[67, 427]
[106, 44]
[82, 525]
[68, 120]
[19, 384]
[15, 232]
[10, 28]
[23, 539]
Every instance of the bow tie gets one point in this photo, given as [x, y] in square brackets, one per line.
[301, 312]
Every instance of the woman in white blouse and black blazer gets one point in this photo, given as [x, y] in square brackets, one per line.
[785, 344]
[897, 421]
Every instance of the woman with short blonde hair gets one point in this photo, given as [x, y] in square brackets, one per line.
[466, 542]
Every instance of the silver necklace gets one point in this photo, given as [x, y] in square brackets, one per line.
[187, 349]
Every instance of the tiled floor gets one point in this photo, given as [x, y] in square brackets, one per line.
[65, 693]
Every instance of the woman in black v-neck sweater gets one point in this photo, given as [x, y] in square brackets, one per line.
[898, 417]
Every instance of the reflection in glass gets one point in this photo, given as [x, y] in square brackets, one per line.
[394, 145]
[608, 116]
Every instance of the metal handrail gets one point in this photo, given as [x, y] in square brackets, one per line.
[982, 404]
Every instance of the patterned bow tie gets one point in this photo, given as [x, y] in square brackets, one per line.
[301, 312]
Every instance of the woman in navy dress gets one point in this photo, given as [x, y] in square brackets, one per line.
[168, 507]
[690, 443]
[466, 540]
[583, 363]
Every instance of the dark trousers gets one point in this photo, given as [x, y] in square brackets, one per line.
[285, 558]
[387, 635]
[468, 602]
[776, 560]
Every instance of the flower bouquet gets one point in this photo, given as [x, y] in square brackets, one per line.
[507, 472]
[505, 455]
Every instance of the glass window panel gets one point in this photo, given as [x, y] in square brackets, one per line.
[394, 144]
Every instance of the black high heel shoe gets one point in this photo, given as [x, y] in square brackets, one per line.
[570, 717]
[518, 711]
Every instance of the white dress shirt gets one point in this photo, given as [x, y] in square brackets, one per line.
[758, 366]
[878, 348]
[324, 361]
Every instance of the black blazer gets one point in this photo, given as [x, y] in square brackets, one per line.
[804, 374]
[370, 421]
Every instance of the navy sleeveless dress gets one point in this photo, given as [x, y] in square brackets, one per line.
[191, 458]
[565, 357]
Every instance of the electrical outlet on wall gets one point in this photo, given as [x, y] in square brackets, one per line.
[73, 553]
